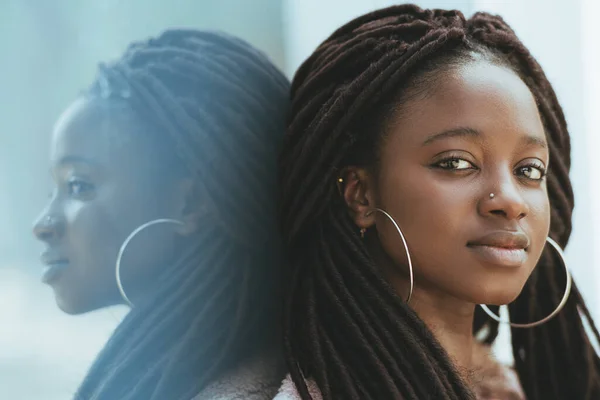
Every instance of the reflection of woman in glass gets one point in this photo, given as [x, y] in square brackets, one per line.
[425, 164]
[165, 174]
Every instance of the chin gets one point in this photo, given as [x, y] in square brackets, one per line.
[71, 304]
[498, 297]
[497, 289]
[69, 308]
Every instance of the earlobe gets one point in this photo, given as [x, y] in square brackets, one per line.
[191, 207]
[356, 188]
[191, 225]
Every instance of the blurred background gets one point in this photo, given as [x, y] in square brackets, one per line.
[49, 51]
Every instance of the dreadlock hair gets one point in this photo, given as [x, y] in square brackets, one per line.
[217, 107]
[345, 327]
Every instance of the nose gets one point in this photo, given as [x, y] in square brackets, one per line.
[48, 227]
[504, 200]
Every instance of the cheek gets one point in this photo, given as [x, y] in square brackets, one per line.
[540, 212]
[101, 226]
[429, 212]
[538, 222]
[538, 218]
[92, 234]
[425, 208]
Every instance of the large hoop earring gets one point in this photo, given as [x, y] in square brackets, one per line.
[126, 243]
[410, 266]
[556, 310]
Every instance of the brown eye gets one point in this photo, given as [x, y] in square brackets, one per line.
[78, 187]
[455, 164]
[534, 172]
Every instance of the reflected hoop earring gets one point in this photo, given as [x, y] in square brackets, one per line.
[556, 310]
[126, 243]
[410, 266]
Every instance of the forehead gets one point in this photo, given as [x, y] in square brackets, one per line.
[478, 95]
[93, 128]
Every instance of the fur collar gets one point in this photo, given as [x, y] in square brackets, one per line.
[493, 380]
[256, 379]
[490, 380]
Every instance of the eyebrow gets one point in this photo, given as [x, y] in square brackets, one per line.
[76, 160]
[456, 132]
[72, 160]
[527, 141]
[534, 141]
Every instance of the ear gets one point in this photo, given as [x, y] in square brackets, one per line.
[358, 190]
[190, 205]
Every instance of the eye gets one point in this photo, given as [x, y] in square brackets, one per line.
[455, 164]
[534, 171]
[77, 187]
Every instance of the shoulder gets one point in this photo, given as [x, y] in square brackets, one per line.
[288, 391]
[256, 379]
[492, 378]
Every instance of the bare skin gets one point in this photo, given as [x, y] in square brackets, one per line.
[477, 132]
[109, 179]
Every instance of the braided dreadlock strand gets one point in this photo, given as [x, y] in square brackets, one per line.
[217, 107]
[345, 327]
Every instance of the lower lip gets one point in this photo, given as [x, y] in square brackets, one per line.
[53, 272]
[501, 256]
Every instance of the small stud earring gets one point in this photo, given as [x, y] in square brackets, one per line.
[340, 182]
[492, 195]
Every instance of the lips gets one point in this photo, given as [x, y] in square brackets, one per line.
[502, 248]
[55, 266]
[503, 240]
[49, 258]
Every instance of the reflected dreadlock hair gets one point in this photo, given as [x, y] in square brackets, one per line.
[344, 325]
[218, 108]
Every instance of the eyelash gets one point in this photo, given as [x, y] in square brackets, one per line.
[439, 163]
[78, 182]
[536, 165]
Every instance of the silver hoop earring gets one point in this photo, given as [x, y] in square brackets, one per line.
[410, 266]
[556, 310]
[124, 246]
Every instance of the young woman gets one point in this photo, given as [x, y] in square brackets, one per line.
[425, 172]
[165, 191]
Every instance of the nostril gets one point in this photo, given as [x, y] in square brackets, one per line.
[45, 235]
[42, 232]
[498, 212]
[45, 228]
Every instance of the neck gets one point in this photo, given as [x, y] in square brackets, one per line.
[449, 318]
[451, 322]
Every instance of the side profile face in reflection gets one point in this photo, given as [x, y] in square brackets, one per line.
[167, 163]
[462, 171]
[110, 177]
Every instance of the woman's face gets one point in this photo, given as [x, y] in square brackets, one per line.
[107, 183]
[477, 132]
